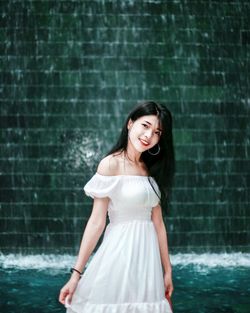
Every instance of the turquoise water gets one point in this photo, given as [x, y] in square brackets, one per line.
[204, 283]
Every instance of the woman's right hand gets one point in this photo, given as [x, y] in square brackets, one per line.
[68, 290]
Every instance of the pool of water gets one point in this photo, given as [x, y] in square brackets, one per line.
[204, 283]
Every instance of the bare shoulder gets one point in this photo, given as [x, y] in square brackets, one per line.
[109, 166]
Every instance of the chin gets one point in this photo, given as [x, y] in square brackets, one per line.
[139, 149]
[143, 150]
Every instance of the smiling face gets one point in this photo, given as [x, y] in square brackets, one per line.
[145, 132]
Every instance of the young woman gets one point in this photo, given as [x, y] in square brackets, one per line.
[131, 270]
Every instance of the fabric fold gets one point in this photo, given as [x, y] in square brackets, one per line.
[146, 307]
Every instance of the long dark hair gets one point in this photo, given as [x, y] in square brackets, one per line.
[162, 165]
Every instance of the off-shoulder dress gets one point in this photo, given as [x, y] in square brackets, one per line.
[125, 275]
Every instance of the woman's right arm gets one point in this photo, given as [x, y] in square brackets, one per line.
[91, 235]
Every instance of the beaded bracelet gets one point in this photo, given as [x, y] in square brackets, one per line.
[73, 269]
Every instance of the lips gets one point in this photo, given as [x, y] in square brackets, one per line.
[144, 142]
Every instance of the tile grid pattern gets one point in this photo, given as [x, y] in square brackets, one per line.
[70, 72]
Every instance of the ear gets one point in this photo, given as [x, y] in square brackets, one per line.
[130, 123]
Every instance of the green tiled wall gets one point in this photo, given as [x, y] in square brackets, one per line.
[70, 72]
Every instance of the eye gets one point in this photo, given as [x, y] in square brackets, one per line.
[145, 125]
[158, 133]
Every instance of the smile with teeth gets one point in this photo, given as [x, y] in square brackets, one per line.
[144, 142]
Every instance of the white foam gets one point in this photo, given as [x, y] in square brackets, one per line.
[38, 261]
[65, 261]
[212, 259]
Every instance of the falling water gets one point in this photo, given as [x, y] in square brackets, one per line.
[71, 70]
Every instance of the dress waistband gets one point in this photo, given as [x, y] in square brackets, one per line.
[129, 215]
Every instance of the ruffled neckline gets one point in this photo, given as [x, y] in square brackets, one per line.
[123, 175]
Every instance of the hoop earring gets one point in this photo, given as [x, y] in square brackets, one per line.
[159, 149]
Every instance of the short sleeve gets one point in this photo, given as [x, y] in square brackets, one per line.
[100, 186]
[157, 192]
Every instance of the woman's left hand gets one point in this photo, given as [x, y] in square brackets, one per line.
[168, 283]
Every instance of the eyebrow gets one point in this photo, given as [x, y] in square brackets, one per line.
[151, 125]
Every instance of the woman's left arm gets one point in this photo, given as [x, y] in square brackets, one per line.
[163, 245]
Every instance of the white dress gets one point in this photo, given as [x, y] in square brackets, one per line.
[125, 274]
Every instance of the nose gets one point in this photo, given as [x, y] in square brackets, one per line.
[148, 133]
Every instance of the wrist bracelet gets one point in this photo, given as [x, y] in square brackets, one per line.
[75, 270]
